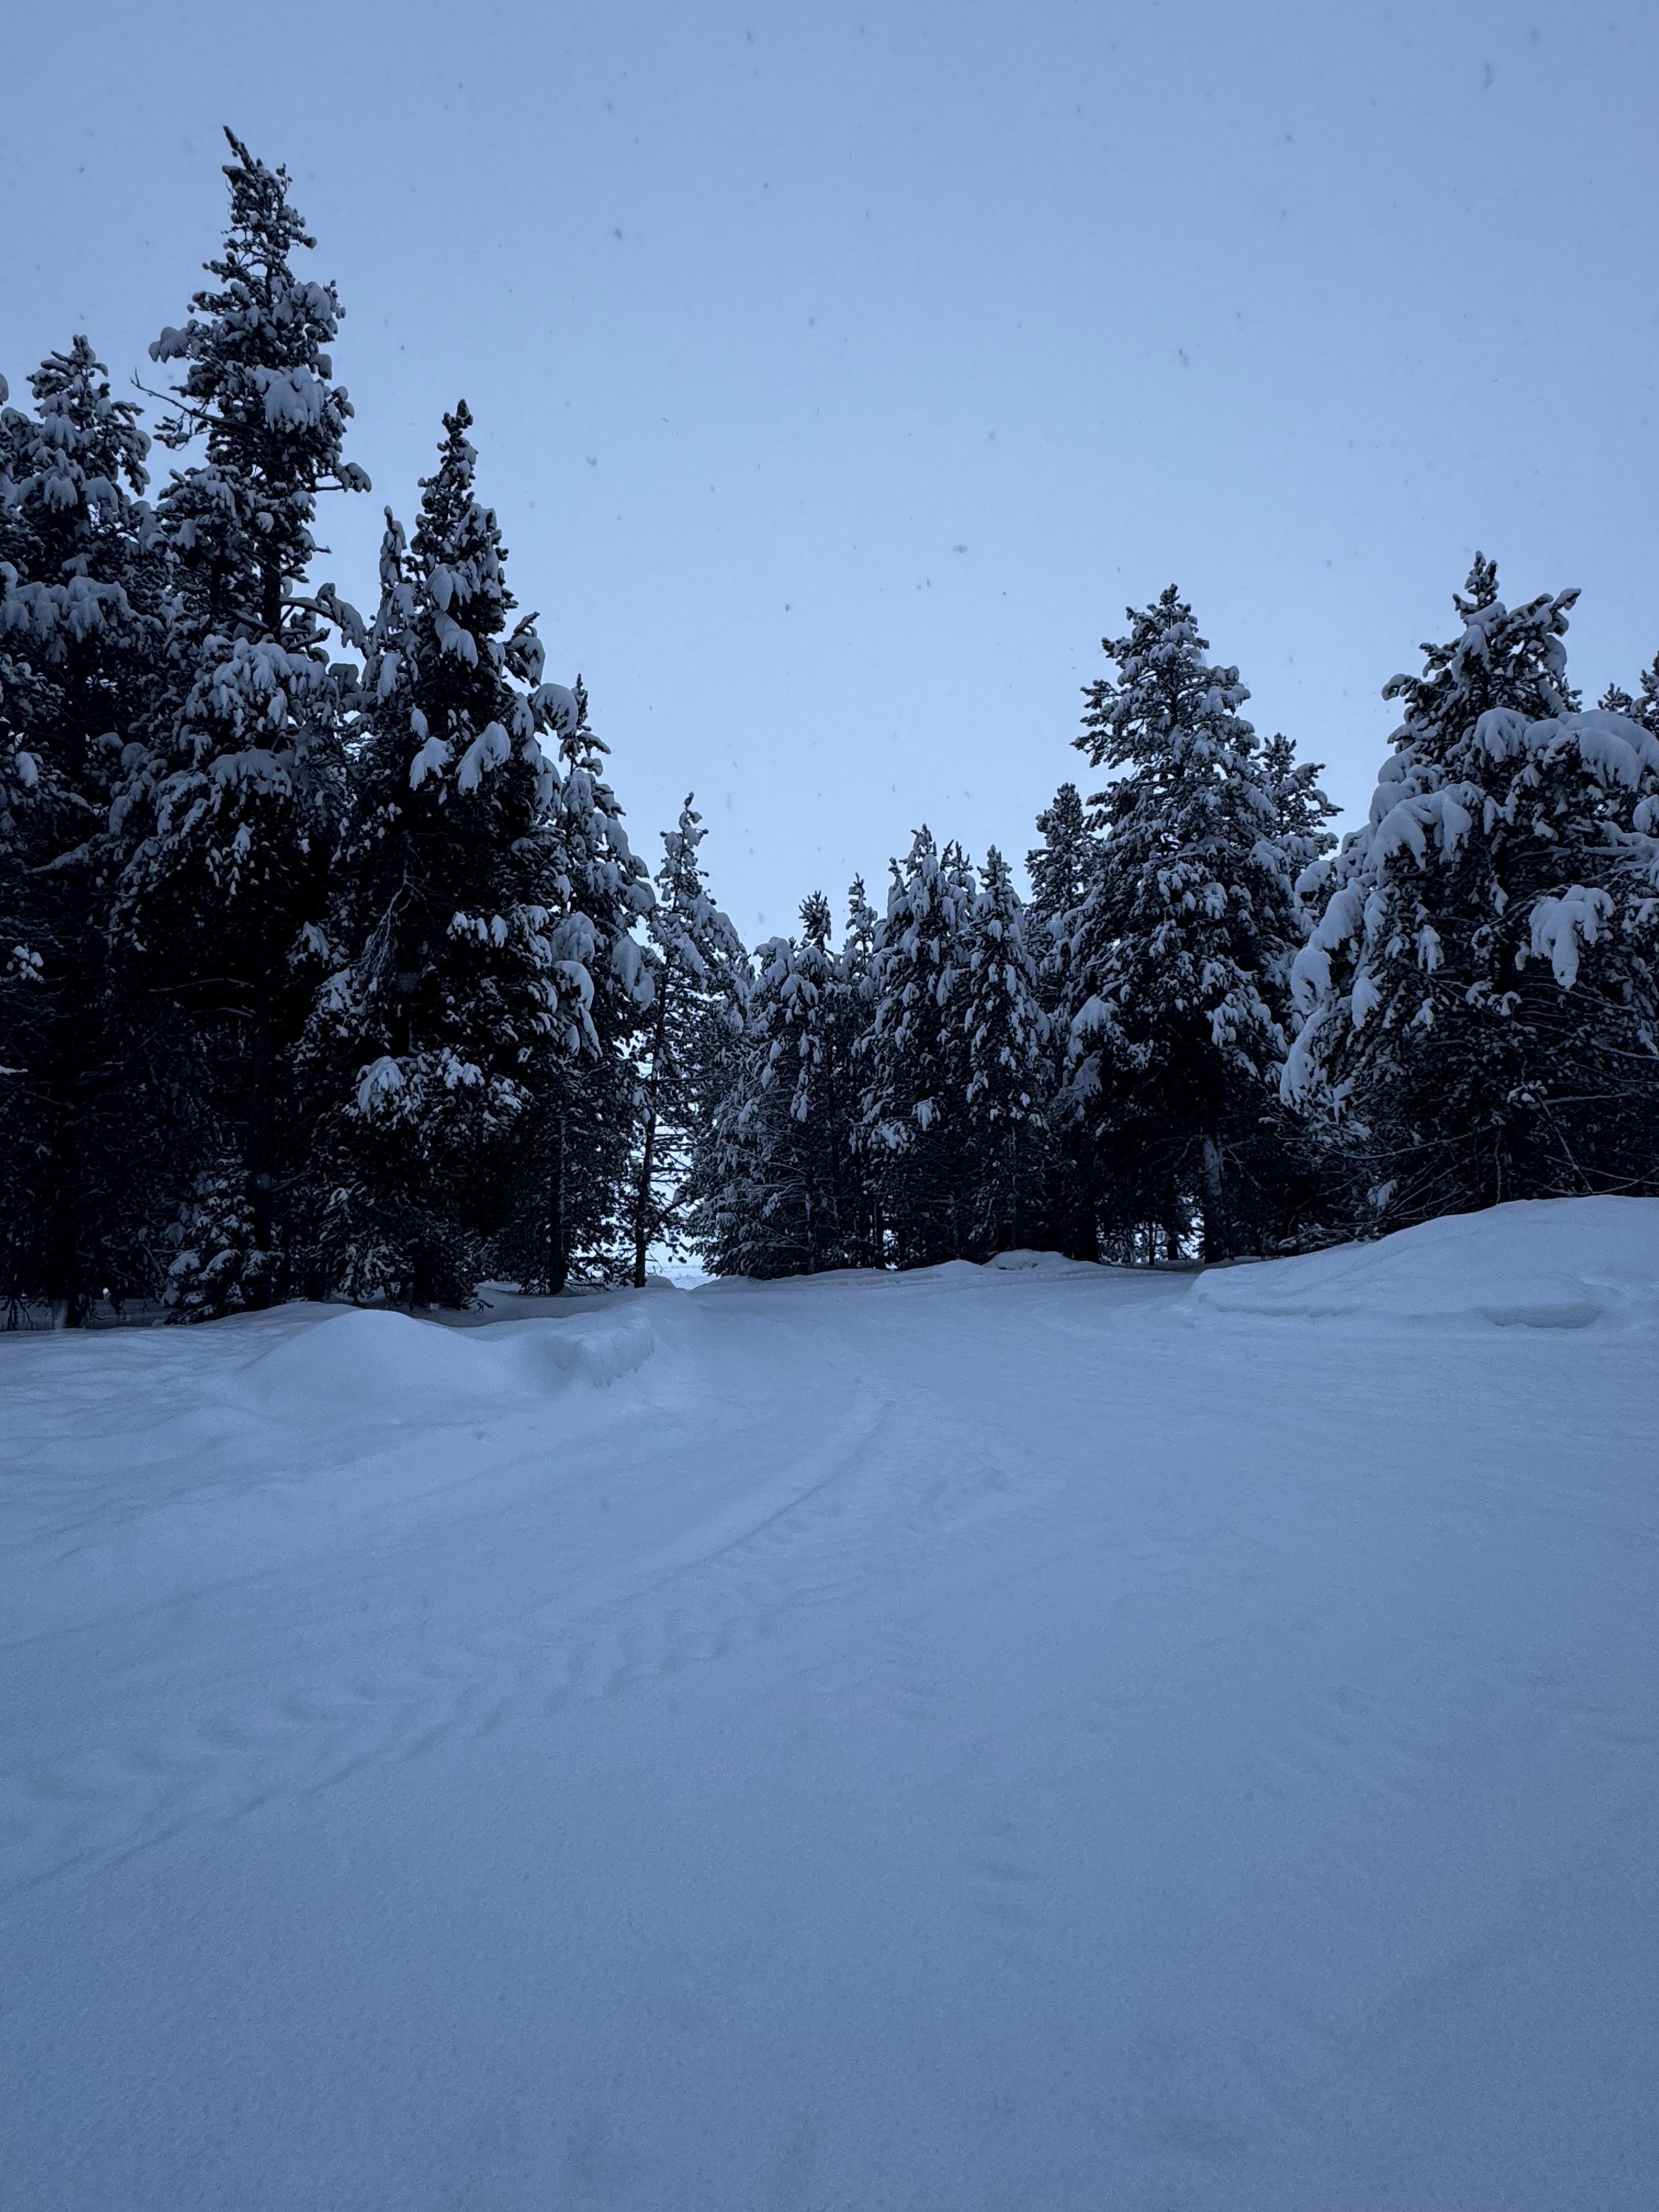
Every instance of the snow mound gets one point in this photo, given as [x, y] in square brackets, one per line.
[358, 1356]
[1548, 1263]
[1050, 1264]
[595, 1348]
[362, 1360]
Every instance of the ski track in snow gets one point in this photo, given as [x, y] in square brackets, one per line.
[802, 1538]
[1130, 1620]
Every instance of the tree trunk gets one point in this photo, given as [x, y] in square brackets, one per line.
[261, 1156]
[1081, 1216]
[271, 599]
[1217, 1243]
[558, 1255]
[65, 1293]
[642, 1198]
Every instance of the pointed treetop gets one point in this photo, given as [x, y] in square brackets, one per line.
[1168, 701]
[86, 445]
[815, 923]
[1481, 589]
[1058, 866]
[1510, 657]
[257, 389]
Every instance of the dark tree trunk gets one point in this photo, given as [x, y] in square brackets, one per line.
[1218, 1245]
[642, 1199]
[1082, 1215]
[270, 593]
[558, 1254]
[1013, 1185]
[261, 1156]
[65, 1291]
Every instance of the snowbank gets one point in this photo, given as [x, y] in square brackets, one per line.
[1555, 1263]
[409, 1369]
[1052, 1265]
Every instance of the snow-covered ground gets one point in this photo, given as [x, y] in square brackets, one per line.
[1028, 1737]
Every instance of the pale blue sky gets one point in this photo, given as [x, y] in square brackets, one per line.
[841, 372]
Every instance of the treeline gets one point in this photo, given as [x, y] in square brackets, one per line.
[1210, 1030]
[329, 970]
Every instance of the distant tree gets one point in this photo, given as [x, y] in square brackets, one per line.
[691, 1045]
[1301, 810]
[1060, 866]
[915, 1054]
[587, 1123]
[1645, 709]
[781, 1189]
[1008, 1064]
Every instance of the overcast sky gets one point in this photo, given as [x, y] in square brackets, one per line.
[840, 372]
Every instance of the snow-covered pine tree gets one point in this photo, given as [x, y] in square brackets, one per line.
[1009, 1065]
[858, 950]
[588, 1121]
[228, 810]
[1059, 867]
[21, 962]
[1643, 709]
[1179, 956]
[81, 631]
[780, 1190]
[459, 996]
[1301, 810]
[1481, 1015]
[915, 1055]
[691, 1044]
[1647, 706]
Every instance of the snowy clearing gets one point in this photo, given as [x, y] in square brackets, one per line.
[1034, 1735]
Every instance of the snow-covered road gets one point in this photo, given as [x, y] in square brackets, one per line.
[1031, 1737]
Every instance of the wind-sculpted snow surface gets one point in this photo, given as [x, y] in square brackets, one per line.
[1025, 1735]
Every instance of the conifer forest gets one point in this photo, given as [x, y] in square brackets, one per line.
[330, 970]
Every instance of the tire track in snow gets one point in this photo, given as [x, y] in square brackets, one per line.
[797, 1543]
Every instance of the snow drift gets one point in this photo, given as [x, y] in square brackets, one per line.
[410, 1367]
[1554, 1263]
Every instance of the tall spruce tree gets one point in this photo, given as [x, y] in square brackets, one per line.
[1009, 1066]
[1061, 869]
[228, 811]
[1480, 1000]
[915, 1055]
[81, 630]
[456, 1003]
[691, 1043]
[586, 1125]
[851, 1009]
[1179, 958]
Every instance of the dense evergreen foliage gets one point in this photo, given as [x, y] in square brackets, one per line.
[1480, 991]
[327, 967]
